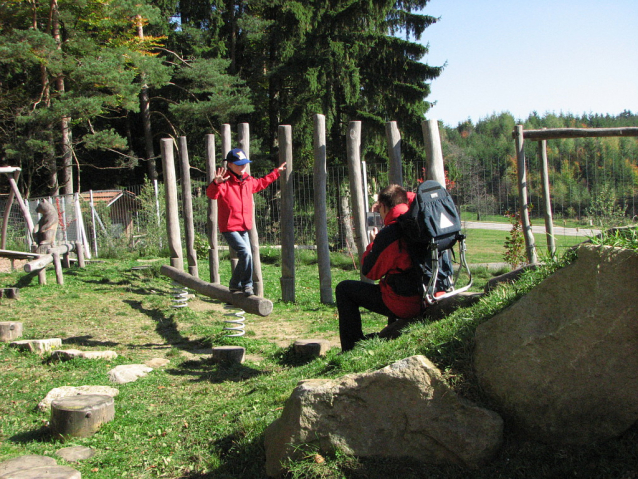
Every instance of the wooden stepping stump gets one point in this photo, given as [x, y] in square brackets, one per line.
[311, 347]
[11, 293]
[75, 453]
[45, 472]
[25, 462]
[229, 354]
[67, 354]
[80, 416]
[39, 346]
[66, 391]
[10, 330]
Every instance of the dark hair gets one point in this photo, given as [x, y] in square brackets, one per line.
[392, 195]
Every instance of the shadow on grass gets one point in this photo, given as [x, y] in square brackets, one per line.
[208, 370]
[165, 327]
[87, 341]
[42, 434]
[288, 357]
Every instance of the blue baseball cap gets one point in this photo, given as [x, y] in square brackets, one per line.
[237, 156]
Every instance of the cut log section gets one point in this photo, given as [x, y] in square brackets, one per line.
[80, 416]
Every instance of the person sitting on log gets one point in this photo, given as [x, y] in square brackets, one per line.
[386, 259]
[233, 189]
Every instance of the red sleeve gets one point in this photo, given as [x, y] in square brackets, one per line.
[213, 190]
[261, 183]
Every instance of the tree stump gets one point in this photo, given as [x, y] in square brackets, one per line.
[10, 331]
[229, 354]
[311, 347]
[25, 462]
[11, 293]
[80, 416]
[39, 346]
[45, 472]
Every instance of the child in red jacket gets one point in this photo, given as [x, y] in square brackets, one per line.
[233, 189]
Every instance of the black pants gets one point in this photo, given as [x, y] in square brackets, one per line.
[350, 296]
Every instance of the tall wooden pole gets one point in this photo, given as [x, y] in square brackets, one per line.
[434, 154]
[287, 279]
[211, 220]
[321, 219]
[172, 210]
[227, 145]
[187, 206]
[530, 246]
[356, 190]
[395, 170]
[258, 283]
[547, 200]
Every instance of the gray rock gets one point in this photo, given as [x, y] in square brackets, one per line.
[66, 391]
[75, 453]
[562, 361]
[157, 363]
[128, 373]
[25, 462]
[403, 410]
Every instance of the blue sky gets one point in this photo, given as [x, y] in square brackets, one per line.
[541, 55]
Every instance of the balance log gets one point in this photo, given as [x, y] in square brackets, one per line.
[80, 416]
[250, 304]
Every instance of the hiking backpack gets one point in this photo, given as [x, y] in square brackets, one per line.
[431, 228]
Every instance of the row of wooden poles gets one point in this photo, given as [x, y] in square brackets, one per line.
[434, 171]
[520, 135]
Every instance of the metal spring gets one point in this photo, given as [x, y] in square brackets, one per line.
[236, 325]
[180, 295]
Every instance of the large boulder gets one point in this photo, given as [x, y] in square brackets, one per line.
[403, 410]
[562, 361]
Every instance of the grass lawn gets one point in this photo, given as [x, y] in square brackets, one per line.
[195, 419]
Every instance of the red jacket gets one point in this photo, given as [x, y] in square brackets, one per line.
[387, 259]
[235, 199]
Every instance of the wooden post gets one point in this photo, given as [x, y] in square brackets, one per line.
[395, 170]
[187, 206]
[79, 250]
[25, 211]
[547, 200]
[172, 210]
[321, 220]
[211, 220]
[434, 154]
[227, 145]
[258, 284]
[287, 280]
[522, 194]
[5, 221]
[57, 264]
[356, 193]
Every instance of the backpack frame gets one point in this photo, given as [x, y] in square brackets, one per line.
[431, 228]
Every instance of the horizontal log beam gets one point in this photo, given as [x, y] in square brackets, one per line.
[39, 263]
[561, 133]
[250, 304]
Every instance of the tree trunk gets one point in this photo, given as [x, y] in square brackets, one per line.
[145, 109]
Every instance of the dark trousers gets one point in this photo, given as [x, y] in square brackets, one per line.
[351, 295]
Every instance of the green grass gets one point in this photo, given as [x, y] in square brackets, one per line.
[196, 419]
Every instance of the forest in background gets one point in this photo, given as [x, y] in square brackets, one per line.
[89, 89]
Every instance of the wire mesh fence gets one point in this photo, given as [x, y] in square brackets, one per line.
[133, 218]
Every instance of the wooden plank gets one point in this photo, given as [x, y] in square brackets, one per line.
[556, 133]
[5, 253]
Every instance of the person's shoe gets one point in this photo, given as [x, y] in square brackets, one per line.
[248, 292]
[234, 289]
